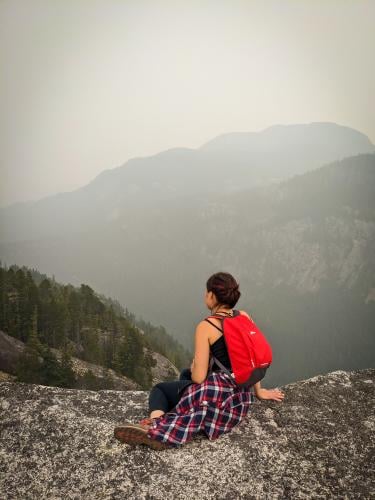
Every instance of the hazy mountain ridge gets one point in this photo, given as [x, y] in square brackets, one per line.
[302, 249]
[271, 155]
[300, 263]
[338, 138]
[321, 225]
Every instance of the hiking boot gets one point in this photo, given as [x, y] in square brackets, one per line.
[134, 434]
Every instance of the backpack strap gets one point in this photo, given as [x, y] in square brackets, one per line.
[224, 368]
[220, 364]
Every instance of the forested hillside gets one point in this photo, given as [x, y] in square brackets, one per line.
[45, 314]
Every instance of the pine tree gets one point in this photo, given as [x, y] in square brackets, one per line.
[50, 370]
[2, 297]
[68, 378]
[28, 368]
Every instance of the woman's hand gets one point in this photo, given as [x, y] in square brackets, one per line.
[275, 394]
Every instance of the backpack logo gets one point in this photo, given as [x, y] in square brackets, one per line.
[252, 332]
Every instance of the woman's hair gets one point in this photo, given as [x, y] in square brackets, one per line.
[225, 287]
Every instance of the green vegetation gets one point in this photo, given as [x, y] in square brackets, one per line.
[44, 314]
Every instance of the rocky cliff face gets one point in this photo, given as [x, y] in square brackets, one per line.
[317, 443]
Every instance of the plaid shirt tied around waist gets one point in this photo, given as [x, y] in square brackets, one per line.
[214, 406]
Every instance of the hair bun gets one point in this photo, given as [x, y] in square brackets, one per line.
[225, 287]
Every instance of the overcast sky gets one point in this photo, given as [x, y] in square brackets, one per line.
[86, 85]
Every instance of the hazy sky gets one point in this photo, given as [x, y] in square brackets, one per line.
[86, 85]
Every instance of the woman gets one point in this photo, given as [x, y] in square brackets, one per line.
[202, 400]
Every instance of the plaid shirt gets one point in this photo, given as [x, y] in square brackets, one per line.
[215, 406]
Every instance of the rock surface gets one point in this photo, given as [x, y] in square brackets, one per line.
[318, 443]
[7, 377]
[10, 351]
[163, 369]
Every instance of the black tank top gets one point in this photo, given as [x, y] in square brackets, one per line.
[219, 350]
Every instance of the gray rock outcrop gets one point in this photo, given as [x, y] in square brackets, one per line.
[317, 443]
[10, 351]
[163, 369]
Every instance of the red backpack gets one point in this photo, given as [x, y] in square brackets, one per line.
[249, 352]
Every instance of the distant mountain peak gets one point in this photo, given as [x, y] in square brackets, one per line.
[283, 135]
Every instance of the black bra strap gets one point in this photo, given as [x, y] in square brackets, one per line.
[214, 325]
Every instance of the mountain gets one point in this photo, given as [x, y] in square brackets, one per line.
[316, 443]
[338, 140]
[301, 248]
[226, 164]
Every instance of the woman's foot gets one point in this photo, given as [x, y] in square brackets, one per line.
[134, 434]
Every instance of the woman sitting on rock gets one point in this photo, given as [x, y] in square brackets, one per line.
[203, 399]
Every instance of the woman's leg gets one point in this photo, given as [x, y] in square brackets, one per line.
[164, 396]
[157, 402]
[185, 374]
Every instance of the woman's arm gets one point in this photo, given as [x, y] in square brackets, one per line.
[199, 366]
[257, 388]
